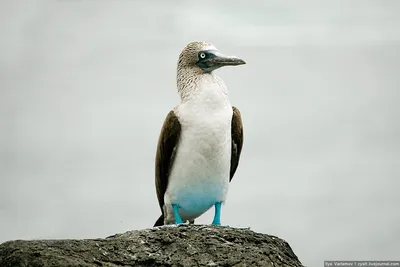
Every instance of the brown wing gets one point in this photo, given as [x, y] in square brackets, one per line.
[237, 140]
[166, 148]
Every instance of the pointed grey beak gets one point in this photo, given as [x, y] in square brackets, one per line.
[215, 60]
[221, 60]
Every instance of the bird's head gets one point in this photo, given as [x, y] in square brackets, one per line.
[205, 58]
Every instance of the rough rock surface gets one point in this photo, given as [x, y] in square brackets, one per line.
[185, 245]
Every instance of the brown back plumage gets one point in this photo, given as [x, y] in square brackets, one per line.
[165, 155]
[237, 140]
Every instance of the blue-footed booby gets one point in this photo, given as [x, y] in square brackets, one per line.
[200, 141]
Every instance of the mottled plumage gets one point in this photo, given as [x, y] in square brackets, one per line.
[201, 139]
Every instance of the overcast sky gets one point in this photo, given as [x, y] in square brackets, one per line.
[85, 86]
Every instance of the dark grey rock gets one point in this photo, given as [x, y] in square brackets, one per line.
[186, 245]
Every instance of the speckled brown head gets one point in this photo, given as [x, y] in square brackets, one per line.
[205, 57]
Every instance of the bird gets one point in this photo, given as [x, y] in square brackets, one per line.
[201, 139]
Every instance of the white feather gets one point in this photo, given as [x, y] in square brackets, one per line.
[200, 174]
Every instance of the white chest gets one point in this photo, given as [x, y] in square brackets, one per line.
[200, 175]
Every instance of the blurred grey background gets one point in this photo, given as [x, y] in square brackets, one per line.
[85, 86]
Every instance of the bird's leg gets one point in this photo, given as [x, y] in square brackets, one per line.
[217, 215]
[178, 219]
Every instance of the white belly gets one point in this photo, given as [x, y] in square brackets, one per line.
[200, 175]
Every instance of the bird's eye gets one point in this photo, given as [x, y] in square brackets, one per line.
[202, 55]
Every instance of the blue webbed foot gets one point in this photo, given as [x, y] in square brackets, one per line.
[178, 219]
[217, 215]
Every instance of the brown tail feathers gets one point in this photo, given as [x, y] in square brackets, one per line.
[160, 221]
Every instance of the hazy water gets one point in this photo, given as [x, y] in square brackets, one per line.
[85, 86]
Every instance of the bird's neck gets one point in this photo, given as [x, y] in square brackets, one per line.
[190, 81]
